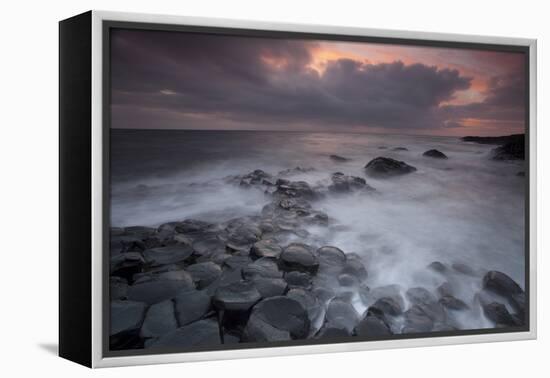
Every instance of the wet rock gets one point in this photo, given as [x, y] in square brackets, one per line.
[387, 291]
[168, 255]
[314, 307]
[510, 151]
[208, 246]
[257, 177]
[386, 167]
[429, 304]
[453, 303]
[389, 305]
[445, 289]
[277, 318]
[236, 262]
[323, 293]
[200, 333]
[177, 275]
[435, 154]
[126, 316]
[338, 158]
[238, 296]
[517, 302]
[266, 248]
[204, 273]
[264, 267]
[342, 314]
[498, 314]
[416, 320]
[501, 284]
[355, 267]
[193, 227]
[347, 280]
[126, 264]
[332, 331]
[437, 266]
[296, 279]
[152, 292]
[464, 269]
[294, 189]
[300, 257]
[342, 183]
[331, 257]
[118, 288]
[159, 319]
[400, 149]
[191, 305]
[372, 326]
[243, 237]
[270, 287]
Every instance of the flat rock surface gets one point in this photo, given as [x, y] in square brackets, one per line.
[202, 332]
[156, 291]
[191, 306]
[159, 319]
[126, 316]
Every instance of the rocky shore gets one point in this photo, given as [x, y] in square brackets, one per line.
[253, 279]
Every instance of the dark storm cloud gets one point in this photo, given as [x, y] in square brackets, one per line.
[162, 79]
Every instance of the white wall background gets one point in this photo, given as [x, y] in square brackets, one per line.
[28, 200]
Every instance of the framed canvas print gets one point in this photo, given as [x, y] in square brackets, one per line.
[234, 189]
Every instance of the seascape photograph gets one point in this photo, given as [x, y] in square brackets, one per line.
[271, 191]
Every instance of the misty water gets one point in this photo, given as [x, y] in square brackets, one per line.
[467, 209]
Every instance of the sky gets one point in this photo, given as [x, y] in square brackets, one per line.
[178, 80]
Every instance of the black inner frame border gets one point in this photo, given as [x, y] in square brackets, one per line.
[108, 25]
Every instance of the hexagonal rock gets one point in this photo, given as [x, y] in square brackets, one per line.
[126, 316]
[201, 333]
[152, 292]
[236, 296]
[191, 305]
[277, 318]
[266, 248]
[387, 167]
[342, 314]
[168, 255]
[264, 267]
[300, 257]
[159, 319]
[270, 287]
[204, 273]
[372, 326]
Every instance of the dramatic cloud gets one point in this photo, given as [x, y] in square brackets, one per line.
[183, 80]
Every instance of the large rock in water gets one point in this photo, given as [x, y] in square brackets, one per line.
[277, 318]
[342, 314]
[510, 151]
[342, 183]
[202, 333]
[501, 284]
[372, 326]
[204, 273]
[294, 189]
[386, 167]
[126, 316]
[300, 257]
[498, 314]
[435, 154]
[266, 248]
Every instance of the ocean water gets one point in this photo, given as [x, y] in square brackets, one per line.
[467, 209]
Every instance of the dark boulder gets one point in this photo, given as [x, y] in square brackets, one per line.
[416, 320]
[264, 267]
[338, 158]
[277, 318]
[400, 149]
[191, 305]
[435, 154]
[331, 257]
[126, 316]
[437, 266]
[354, 266]
[389, 305]
[300, 257]
[155, 291]
[509, 151]
[159, 319]
[204, 273]
[342, 314]
[342, 183]
[501, 284]
[257, 177]
[126, 264]
[201, 333]
[238, 296]
[372, 325]
[266, 248]
[452, 303]
[314, 307]
[499, 315]
[168, 255]
[386, 167]
[294, 189]
[426, 301]
[296, 279]
[270, 287]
